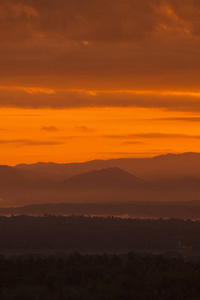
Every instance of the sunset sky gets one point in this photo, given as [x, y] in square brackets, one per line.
[83, 80]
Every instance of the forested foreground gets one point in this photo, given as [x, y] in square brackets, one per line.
[26, 234]
[101, 277]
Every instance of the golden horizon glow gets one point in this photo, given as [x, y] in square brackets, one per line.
[32, 135]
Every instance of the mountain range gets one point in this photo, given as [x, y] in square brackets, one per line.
[170, 166]
[171, 177]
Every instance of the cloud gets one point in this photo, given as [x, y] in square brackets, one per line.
[78, 20]
[39, 90]
[22, 142]
[98, 44]
[96, 20]
[179, 119]
[149, 65]
[187, 11]
[172, 101]
[141, 153]
[50, 128]
[133, 143]
[152, 135]
[83, 129]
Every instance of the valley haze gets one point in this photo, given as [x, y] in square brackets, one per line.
[126, 187]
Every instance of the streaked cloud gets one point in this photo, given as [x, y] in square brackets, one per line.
[25, 142]
[139, 154]
[133, 143]
[50, 128]
[180, 119]
[83, 129]
[167, 100]
[39, 90]
[152, 135]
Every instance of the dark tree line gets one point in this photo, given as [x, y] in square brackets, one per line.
[98, 234]
[99, 277]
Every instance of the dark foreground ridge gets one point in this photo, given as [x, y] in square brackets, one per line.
[97, 277]
[52, 234]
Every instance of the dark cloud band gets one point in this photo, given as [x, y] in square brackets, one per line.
[41, 98]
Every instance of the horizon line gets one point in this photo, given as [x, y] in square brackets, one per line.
[99, 159]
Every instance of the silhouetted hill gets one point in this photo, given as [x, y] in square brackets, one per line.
[103, 182]
[170, 166]
[105, 178]
[12, 177]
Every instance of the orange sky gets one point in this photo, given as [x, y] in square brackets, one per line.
[81, 80]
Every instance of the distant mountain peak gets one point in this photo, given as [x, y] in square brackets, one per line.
[107, 177]
[110, 171]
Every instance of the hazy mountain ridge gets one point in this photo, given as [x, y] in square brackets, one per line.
[106, 178]
[103, 183]
[10, 176]
[169, 165]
